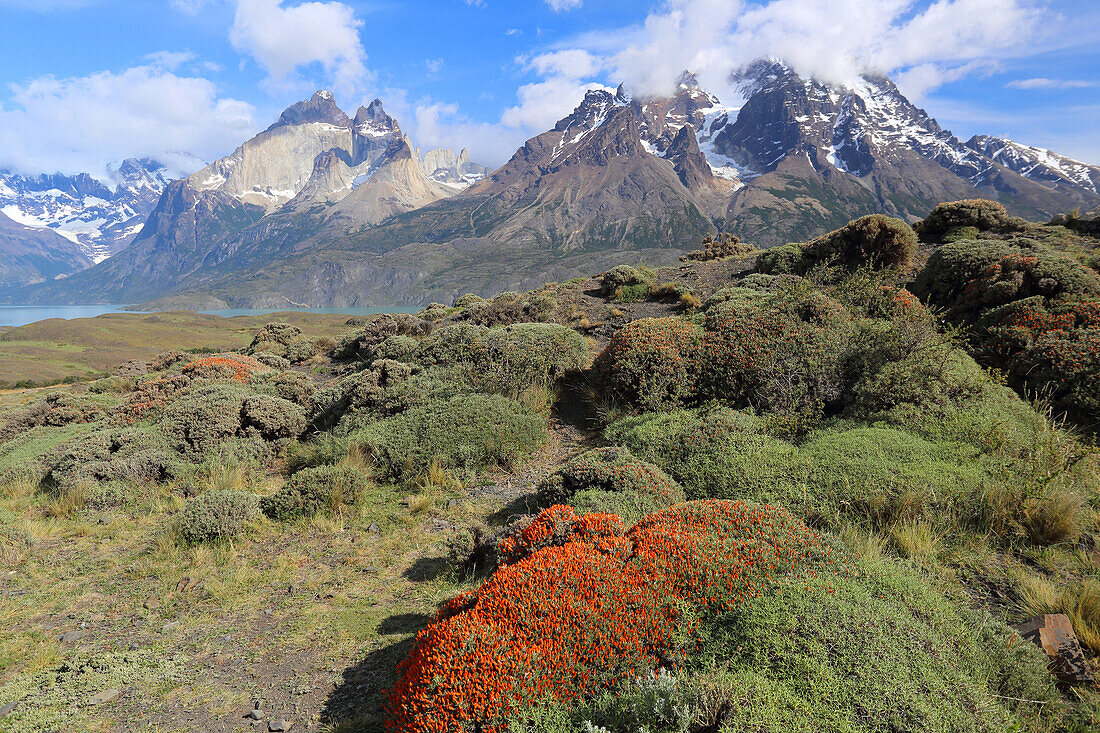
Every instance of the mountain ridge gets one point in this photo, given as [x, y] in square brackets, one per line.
[356, 216]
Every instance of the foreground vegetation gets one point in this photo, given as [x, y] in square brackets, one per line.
[806, 490]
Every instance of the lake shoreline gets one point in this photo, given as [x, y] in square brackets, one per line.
[14, 316]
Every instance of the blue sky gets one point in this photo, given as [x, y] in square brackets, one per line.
[87, 82]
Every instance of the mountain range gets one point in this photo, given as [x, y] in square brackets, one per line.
[326, 209]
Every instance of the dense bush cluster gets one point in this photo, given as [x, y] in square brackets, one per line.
[874, 241]
[949, 220]
[1032, 313]
[137, 455]
[625, 283]
[513, 358]
[653, 362]
[610, 480]
[217, 515]
[282, 340]
[235, 367]
[567, 620]
[363, 344]
[201, 419]
[54, 410]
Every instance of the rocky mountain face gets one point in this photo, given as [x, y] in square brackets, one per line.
[314, 168]
[323, 209]
[100, 218]
[36, 254]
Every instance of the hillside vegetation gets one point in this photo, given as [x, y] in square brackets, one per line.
[809, 489]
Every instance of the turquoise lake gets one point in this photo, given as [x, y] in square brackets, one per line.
[20, 315]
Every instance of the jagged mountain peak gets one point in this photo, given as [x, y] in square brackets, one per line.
[321, 107]
[373, 120]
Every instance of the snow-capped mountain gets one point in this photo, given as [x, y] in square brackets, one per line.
[102, 218]
[1038, 164]
[314, 169]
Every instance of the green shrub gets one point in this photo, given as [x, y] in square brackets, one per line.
[313, 490]
[787, 259]
[610, 480]
[137, 455]
[300, 351]
[291, 386]
[874, 241]
[973, 214]
[271, 418]
[397, 348]
[468, 300]
[275, 338]
[113, 385]
[362, 344]
[873, 475]
[467, 431]
[880, 652]
[515, 357]
[713, 453]
[615, 282]
[217, 515]
[653, 363]
[452, 344]
[379, 391]
[783, 354]
[55, 410]
[272, 361]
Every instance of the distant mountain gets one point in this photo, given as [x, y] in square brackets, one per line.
[323, 209]
[102, 218]
[314, 168]
[36, 254]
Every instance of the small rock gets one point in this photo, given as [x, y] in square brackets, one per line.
[70, 637]
[101, 697]
[279, 726]
[1053, 633]
[152, 603]
[8, 708]
[258, 703]
[169, 626]
[451, 504]
[291, 589]
[132, 648]
[255, 715]
[374, 529]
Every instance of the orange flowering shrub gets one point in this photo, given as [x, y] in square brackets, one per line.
[653, 362]
[1051, 348]
[149, 399]
[237, 367]
[570, 619]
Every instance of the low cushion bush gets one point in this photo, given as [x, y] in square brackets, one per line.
[566, 621]
[217, 515]
[316, 489]
[610, 480]
[512, 358]
[874, 241]
[653, 362]
[467, 431]
[972, 214]
[137, 455]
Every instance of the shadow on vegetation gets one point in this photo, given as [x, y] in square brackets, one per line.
[427, 568]
[355, 706]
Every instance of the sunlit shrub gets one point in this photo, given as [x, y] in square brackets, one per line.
[653, 362]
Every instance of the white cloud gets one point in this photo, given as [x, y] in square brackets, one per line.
[559, 5]
[1042, 83]
[434, 66]
[439, 125]
[84, 123]
[834, 41]
[190, 7]
[284, 39]
[169, 60]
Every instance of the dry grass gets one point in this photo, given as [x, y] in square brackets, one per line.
[1082, 605]
[917, 541]
[1037, 596]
